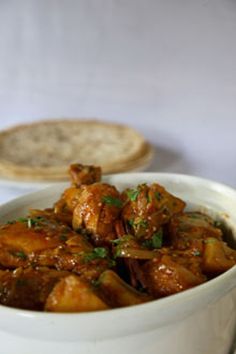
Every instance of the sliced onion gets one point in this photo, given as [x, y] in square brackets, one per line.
[127, 252]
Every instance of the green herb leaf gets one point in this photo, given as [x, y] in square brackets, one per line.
[30, 221]
[147, 244]
[117, 241]
[158, 196]
[96, 282]
[63, 238]
[22, 219]
[149, 198]
[132, 194]
[123, 239]
[154, 242]
[118, 252]
[196, 253]
[157, 239]
[193, 216]
[141, 223]
[111, 263]
[21, 255]
[97, 252]
[131, 222]
[108, 199]
[210, 240]
[218, 224]
[10, 222]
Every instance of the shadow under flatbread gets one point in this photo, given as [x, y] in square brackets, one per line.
[166, 160]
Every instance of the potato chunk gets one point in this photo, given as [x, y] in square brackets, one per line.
[217, 258]
[71, 294]
[119, 292]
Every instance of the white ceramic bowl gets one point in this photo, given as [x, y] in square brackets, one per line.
[201, 320]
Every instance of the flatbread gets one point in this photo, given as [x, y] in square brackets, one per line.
[44, 150]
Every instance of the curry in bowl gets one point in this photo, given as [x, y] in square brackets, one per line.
[98, 248]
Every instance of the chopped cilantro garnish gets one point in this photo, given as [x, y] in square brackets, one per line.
[21, 255]
[123, 239]
[118, 252]
[149, 198]
[108, 199]
[63, 238]
[131, 222]
[132, 194]
[141, 223]
[193, 216]
[96, 282]
[22, 219]
[156, 240]
[138, 223]
[210, 240]
[97, 252]
[218, 224]
[147, 243]
[158, 195]
[117, 241]
[10, 222]
[30, 221]
[196, 253]
[111, 263]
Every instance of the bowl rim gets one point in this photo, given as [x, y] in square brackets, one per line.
[222, 282]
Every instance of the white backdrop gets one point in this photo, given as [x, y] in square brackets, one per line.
[167, 67]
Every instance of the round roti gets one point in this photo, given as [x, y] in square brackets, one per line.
[44, 150]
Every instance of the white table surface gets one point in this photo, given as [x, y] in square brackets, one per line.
[168, 68]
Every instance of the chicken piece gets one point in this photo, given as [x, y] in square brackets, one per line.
[188, 230]
[81, 174]
[28, 288]
[65, 206]
[97, 210]
[172, 273]
[217, 257]
[118, 293]
[71, 294]
[42, 240]
[147, 208]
